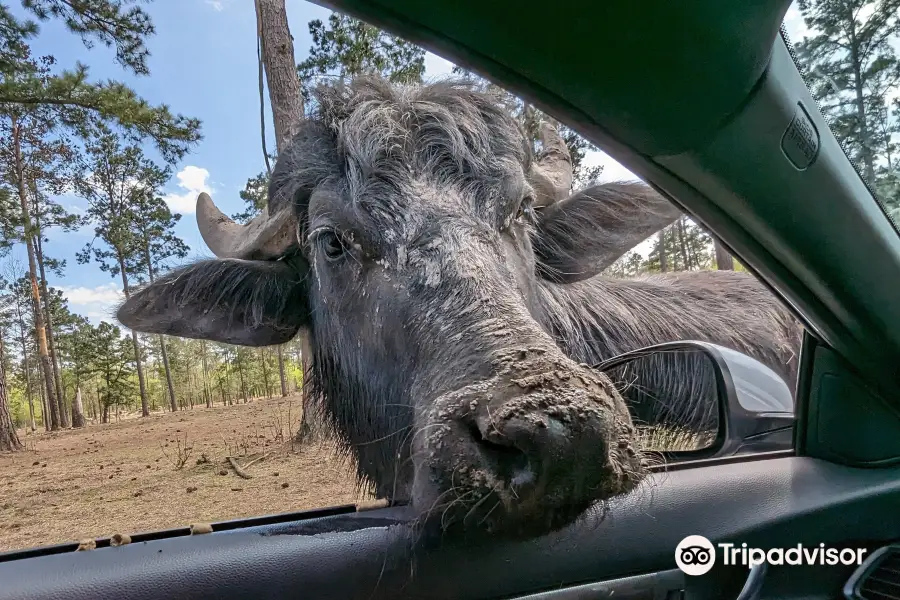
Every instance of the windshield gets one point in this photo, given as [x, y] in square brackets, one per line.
[849, 55]
[288, 260]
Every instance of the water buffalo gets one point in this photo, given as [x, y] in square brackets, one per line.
[449, 287]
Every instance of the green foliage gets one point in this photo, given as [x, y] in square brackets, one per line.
[852, 66]
[111, 22]
[888, 190]
[255, 195]
[120, 184]
[16, 323]
[110, 356]
[347, 46]
[28, 83]
[76, 100]
[44, 108]
[687, 247]
[152, 226]
[45, 163]
[8, 219]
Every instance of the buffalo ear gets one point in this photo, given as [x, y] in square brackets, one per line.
[248, 303]
[584, 234]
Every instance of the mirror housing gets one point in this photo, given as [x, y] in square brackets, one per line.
[755, 405]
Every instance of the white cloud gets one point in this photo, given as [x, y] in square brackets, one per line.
[216, 4]
[192, 180]
[96, 303]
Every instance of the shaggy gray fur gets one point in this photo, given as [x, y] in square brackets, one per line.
[420, 256]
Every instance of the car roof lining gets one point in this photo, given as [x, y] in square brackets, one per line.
[626, 80]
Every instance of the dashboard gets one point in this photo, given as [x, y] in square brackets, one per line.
[624, 551]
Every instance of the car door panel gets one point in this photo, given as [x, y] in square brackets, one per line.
[778, 502]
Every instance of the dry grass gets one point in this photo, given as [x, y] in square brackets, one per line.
[673, 439]
[165, 471]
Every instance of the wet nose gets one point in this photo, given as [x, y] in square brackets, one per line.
[526, 449]
[529, 448]
[532, 449]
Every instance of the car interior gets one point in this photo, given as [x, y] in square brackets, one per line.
[703, 101]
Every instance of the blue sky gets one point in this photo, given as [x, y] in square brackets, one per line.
[202, 64]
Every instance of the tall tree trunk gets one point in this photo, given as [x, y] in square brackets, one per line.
[277, 47]
[99, 407]
[170, 386]
[30, 401]
[42, 392]
[138, 363]
[227, 400]
[265, 372]
[859, 88]
[724, 260]
[682, 242]
[40, 331]
[54, 359]
[206, 389]
[78, 404]
[29, 392]
[162, 341]
[9, 439]
[284, 389]
[78, 410]
[240, 367]
[45, 410]
[286, 100]
[661, 248]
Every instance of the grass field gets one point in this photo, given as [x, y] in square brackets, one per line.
[127, 477]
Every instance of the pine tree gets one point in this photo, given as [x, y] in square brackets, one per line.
[31, 157]
[256, 195]
[115, 173]
[37, 96]
[69, 92]
[153, 226]
[851, 66]
[347, 47]
[17, 302]
[47, 215]
[109, 357]
[64, 322]
[76, 346]
[9, 439]
[276, 62]
[724, 260]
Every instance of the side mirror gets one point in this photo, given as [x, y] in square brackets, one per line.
[693, 400]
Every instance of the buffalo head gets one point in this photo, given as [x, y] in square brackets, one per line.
[402, 235]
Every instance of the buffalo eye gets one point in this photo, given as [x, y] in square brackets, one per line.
[330, 243]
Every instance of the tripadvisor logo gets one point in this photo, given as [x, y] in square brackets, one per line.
[696, 555]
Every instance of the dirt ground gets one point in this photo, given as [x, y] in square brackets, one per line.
[124, 477]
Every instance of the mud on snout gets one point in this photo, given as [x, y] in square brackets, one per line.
[525, 452]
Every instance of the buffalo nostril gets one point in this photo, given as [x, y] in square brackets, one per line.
[522, 449]
[504, 455]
